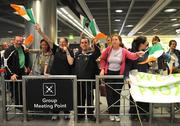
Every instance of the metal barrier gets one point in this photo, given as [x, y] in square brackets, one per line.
[11, 97]
[83, 97]
[170, 108]
[18, 93]
[118, 91]
[1, 101]
[172, 111]
[165, 109]
[176, 109]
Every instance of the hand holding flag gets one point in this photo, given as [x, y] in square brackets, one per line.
[95, 31]
[37, 27]
[155, 52]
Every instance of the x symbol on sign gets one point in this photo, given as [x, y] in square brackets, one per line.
[49, 89]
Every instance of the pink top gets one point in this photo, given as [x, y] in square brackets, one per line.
[125, 54]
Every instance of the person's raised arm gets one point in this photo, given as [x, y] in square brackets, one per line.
[70, 58]
[97, 51]
[134, 56]
[45, 37]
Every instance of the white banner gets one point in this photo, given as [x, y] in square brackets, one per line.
[155, 88]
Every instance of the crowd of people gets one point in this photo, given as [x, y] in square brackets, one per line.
[52, 59]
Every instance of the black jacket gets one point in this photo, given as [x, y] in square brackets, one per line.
[133, 64]
[85, 65]
[60, 65]
[13, 62]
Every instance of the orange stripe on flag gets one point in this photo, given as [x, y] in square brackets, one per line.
[21, 11]
[101, 36]
[28, 40]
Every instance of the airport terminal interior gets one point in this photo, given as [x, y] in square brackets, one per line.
[90, 62]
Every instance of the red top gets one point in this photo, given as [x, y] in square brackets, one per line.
[2, 70]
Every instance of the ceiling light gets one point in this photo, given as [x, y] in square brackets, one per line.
[71, 37]
[117, 20]
[129, 26]
[155, 29]
[178, 31]
[174, 19]
[155, 33]
[170, 10]
[151, 13]
[10, 32]
[118, 11]
[69, 16]
[64, 11]
[175, 25]
[116, 30]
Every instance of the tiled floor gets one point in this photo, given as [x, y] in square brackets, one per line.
[124, 122]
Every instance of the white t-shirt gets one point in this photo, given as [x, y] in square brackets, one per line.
[176, 63]
[115, 59]
[2, 53]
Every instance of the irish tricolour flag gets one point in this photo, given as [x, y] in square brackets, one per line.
[23, 12]
[28, 41]
[93, 27]
[155, 52]
[83, 21]
[95, 31]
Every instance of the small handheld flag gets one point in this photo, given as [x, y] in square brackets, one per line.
[28, 41]
[101, 36]
[93, 27]
[83, 20]
[23, 12]
[154, 53]
[31, 15]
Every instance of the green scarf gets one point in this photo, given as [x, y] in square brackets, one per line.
[21, 57]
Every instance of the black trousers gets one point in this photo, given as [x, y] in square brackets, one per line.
[16, 89]
[113, 93]
[85, 93]
[16, 92]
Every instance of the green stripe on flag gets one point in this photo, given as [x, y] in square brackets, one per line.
[31, 15]
[83, 21]
[92, 27]
[156, 50]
